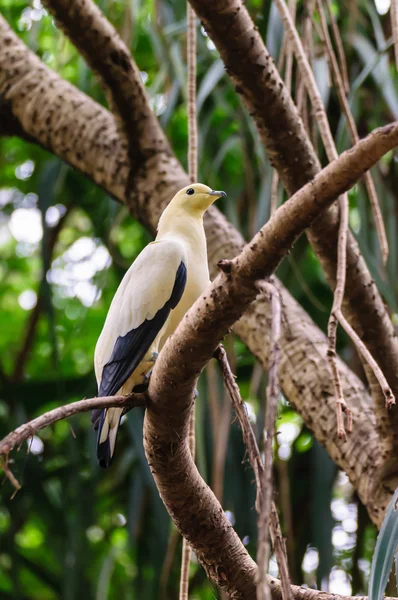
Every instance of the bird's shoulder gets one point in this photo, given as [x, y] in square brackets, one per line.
[161, 251]
[146, 287]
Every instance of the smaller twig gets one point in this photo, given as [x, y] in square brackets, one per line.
[341, 405]
[256, 463]
[25, 431]
[388, 394]
[339, 46]
[193, 176]
[353, 131]
[8, 473]
[191, 95]
[308, 79]
[240, 410]
[289, 50]
[286, 53]
[308, 50]
[263, 548]
[280, 553]
[274, 192]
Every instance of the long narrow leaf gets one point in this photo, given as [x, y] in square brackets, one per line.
[386, 548]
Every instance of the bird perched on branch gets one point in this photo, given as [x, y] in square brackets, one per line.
[158, 289]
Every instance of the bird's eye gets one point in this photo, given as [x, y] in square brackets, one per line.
[190, 191]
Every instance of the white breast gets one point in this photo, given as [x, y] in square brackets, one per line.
[194, 241]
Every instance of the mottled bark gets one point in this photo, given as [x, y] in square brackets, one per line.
[106, 53]
[162, 175]
[192, 505]
[60, 117]
[282, 132]
[81, 132]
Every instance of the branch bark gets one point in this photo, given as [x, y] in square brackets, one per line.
[84, 134]
[282, 132]
[108, 56]
[28, 429]
[25, 431]
[189, 501]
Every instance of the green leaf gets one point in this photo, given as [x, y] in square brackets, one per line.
[386, 548]
[211, 79]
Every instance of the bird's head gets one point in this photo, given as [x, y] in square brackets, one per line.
[196, 198]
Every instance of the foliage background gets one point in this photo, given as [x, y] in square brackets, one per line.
[74, 531]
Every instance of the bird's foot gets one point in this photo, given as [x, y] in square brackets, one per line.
[143, 387]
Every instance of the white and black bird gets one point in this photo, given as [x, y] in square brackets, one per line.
[161, 285]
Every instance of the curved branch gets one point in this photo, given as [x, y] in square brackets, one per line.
[28, 429]
[25, 431]
[282, 132]
[189, 501]
[193, 507]
[84, 134]
[106, 53]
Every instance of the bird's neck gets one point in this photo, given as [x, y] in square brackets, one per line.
[188, 229]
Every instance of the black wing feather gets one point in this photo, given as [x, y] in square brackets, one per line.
[131, 348]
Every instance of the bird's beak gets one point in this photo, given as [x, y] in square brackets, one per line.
[217, 193]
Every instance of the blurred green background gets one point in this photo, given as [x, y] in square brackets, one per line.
[75, 531]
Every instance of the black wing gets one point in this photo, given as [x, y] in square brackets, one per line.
[131, 348]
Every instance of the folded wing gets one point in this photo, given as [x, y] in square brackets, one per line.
[151, 287]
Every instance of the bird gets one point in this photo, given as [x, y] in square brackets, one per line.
[158, 289]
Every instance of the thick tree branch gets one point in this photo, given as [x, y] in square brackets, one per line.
[189, 501]
[280, 128]
[106, 53]
[46, 107]
[25, 431]
[84, 134]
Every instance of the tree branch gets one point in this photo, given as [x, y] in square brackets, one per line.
[190, 502]
[28, 429]
[282, 132]
[84, 134]
[107, 55]
[16, 437]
